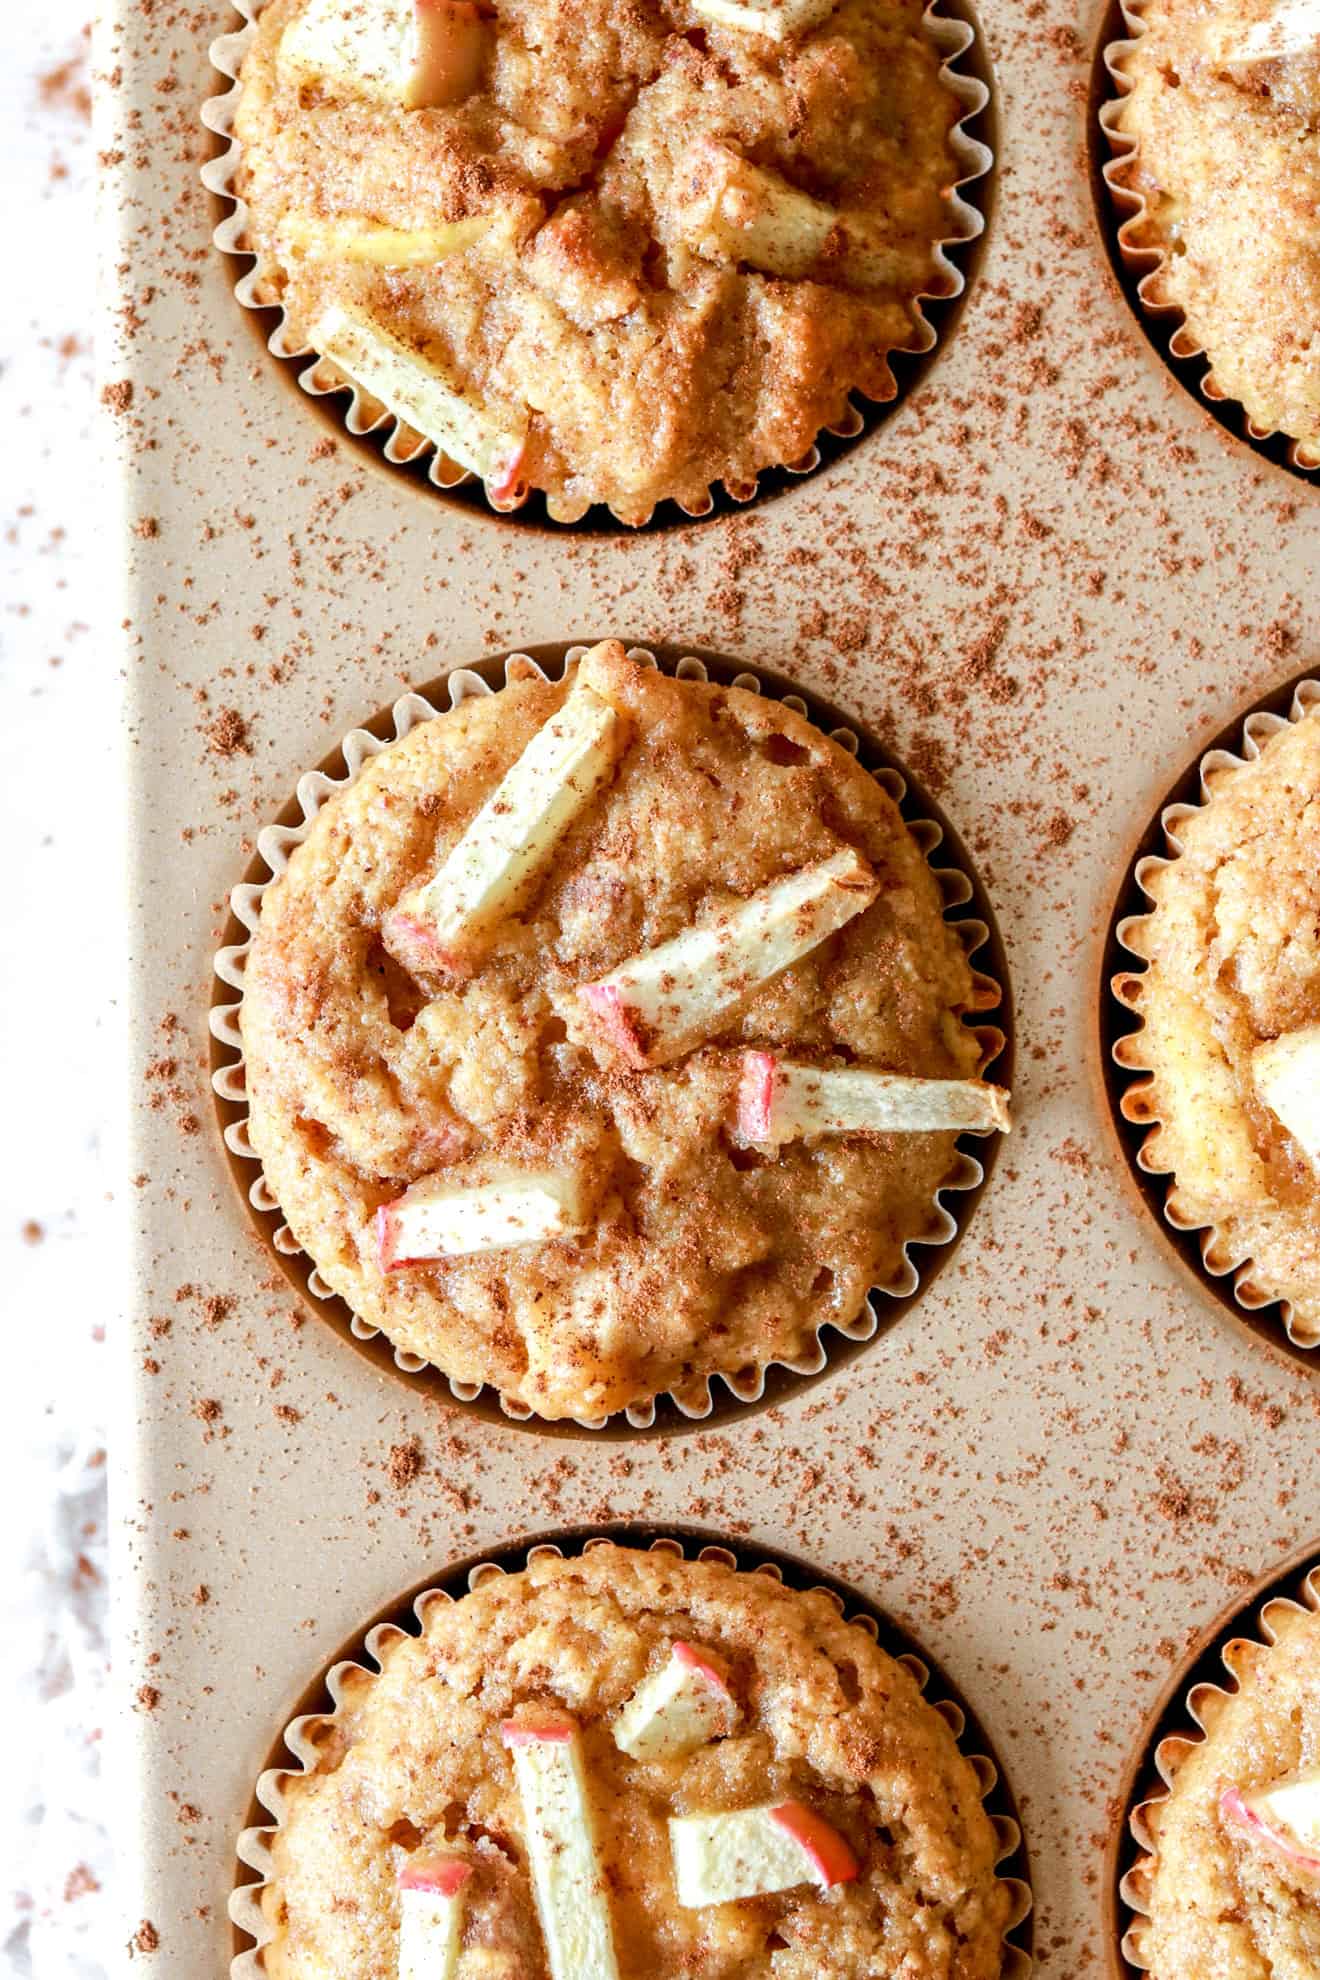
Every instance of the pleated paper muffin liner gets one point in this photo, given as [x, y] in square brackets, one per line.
[1215, 1670]
[1223, 1270]
[361, 1660]
[966, 910]
[402, 447]
[1145, 267]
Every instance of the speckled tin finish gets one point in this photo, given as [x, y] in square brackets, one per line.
[1046, 582]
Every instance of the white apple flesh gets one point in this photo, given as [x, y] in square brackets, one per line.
[423, 54]
[1287, 1075]
[486, 875]
[432, 1895]
[546, 1749]
[358, 240]
[1292, 28]
[488, 441]
[779, 1101]
[457, 1213]
[777, 19]
[655, 1006]
[753, 1852]
[1285, 1816]
[680, 1707]
[732, 210]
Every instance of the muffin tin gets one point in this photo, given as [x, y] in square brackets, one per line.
[1045, 582]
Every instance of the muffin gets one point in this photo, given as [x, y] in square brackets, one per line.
[1222, 107]
[606, 1034]
[631, 1764]
[1232, 1886]
[1231, 1007]
[614, 253]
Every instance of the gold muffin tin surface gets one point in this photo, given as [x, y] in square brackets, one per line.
[1046, 582]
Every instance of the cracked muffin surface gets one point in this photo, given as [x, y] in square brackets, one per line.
[1228, 163]
[695, 1255]
[414, 1760]
[1221, 1903]
[662, 248]
[1233, 946]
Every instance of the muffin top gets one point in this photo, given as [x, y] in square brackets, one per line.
[643, 1106]
[1231, 1003]
[1224, 101]
[617, 252]
[600, 1742]
[1235, 1888]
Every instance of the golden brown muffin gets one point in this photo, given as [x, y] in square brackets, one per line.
[1223, 108]
[1223, 1901]
[1231, 1000]
[645, 249]
[697, 1248]
[414, 1761]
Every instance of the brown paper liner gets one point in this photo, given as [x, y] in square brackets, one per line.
[1229, 1278]
[1186, 1712]
[1143, 269]
[964, 71]
[359, 1661]
[967, 911]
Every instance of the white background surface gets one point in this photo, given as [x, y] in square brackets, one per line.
[58, 804]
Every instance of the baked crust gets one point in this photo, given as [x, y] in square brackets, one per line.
[650, 369]
[1233, 946]
[1222, 1907]
[703, 1257]
[415, 1754]
[1228, 162]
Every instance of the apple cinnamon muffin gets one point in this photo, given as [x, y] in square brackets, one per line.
[1231, 1004]
[613, 252]
[606, 1034]
[1234, 1886]
[630, 1764]
[1224, 109]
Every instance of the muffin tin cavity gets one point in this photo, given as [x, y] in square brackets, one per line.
[1117, 208]
[1173, 1723]
[954, 30]
[721, 1399]
[356, 1662]
[1228, 1283]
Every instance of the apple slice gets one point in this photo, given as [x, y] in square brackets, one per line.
[361, 240]
[1287, 1075]
[755, 1851]
[655, 1006]
[423, 54]
[432, 1896]
[444, 923]
[546, 1748]
[1213, 1143]
[462, 1211]
[678, 1708]
[1292, 28]
[779, 1101]
[1286, 1815]
[778, 19]
[485, 439]
[732, 210]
